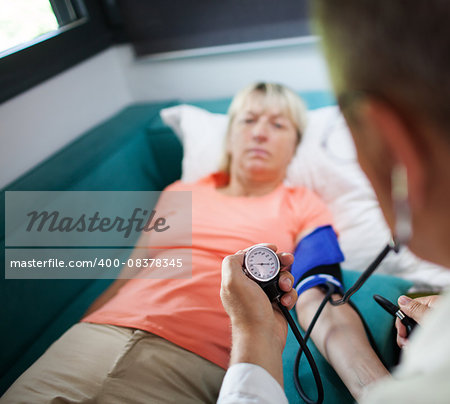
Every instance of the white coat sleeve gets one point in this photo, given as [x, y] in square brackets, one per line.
[246, 383]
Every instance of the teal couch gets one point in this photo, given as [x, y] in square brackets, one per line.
[131, 151]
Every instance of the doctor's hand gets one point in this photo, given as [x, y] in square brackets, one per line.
[246, 303]
[416, 309]
[259, 329]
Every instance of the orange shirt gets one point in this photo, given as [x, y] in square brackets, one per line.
[189, 312]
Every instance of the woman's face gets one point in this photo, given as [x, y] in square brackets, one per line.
[262, 141]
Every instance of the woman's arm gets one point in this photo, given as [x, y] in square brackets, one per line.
[339, 333]
[341, 338]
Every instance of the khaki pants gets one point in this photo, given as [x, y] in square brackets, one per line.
[94, 363]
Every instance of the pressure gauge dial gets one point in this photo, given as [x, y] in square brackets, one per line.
[261, 264]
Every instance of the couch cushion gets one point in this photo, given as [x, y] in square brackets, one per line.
[62, 319]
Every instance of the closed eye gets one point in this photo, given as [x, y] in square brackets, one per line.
[278, 125]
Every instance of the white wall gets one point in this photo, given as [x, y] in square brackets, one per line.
[299, 66]
[42, 120]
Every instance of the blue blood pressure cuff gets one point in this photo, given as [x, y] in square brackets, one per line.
[316, 260]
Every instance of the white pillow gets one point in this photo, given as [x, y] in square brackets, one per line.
[326, 163]
[203, 136]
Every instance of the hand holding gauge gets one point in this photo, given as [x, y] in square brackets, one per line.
[259, 329]
[241, 293]
[262, 265]
[246, 306]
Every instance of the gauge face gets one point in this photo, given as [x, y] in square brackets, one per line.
[261, 263]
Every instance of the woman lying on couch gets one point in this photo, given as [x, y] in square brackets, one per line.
[168, 340]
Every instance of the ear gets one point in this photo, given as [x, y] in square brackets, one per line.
[402, 143]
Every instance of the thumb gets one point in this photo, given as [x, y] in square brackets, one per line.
[412, 308]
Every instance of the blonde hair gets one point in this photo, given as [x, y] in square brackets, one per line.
[270, 94]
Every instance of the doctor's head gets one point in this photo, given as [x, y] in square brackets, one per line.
[266, 122]
[389, 63]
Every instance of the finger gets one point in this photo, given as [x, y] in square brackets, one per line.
[286, 281]
[286, 260]
[428, 300]
[232, 267]
[412, 308]
[237, 259]
[289, 299]
[402, 342]
[401, 329]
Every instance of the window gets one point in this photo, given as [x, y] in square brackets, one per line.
[26, 22]
[41, 38]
